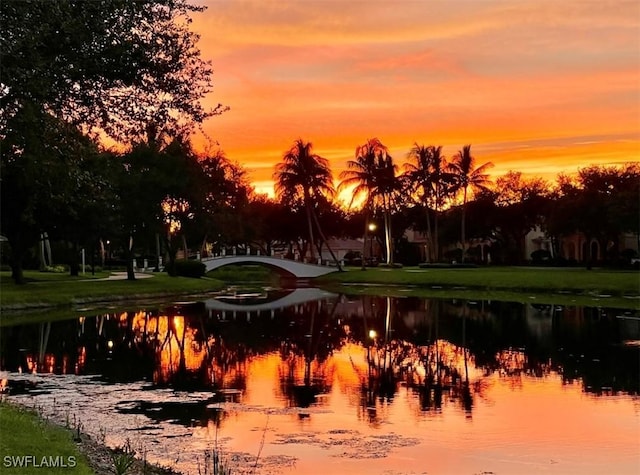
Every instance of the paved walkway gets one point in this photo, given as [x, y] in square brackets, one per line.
[123, 276]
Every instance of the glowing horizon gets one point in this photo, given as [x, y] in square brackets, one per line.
[538, 87]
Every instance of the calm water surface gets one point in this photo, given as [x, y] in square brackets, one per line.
[322, 383]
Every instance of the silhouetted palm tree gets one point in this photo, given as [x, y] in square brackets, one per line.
[373, 174]
[468, 176]
[388, 185]
[427, 174]
[305, 175]
[361, 174]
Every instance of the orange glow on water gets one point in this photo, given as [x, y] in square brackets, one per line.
[355, 408]
[178, 348]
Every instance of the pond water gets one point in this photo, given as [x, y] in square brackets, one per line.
[311, 382]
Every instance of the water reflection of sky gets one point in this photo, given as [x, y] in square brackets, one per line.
[367, 385]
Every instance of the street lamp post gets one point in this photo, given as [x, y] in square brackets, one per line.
[372, 228]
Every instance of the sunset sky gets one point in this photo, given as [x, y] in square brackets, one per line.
[536, 86]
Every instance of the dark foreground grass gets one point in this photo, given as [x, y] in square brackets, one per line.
[23, 433]
[514, 279]
[44, 291]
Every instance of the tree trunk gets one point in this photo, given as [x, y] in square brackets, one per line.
[47, 248]
[435, 225]
[17, 254]
[130, 271]
[203, 246]
[333, 256]
[93, 259]
[43, 259]
[387, 227]
[157, 268]
[310, 226]
[464, 209]
[172, 251]
[366, 234]
[74, 267]
[184, 246]
[429, 235]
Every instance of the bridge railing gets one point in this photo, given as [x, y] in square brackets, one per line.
[238, 252]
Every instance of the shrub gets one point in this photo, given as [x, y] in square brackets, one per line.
[453, 255]
[541, 255]
[395, 265]
[185, 268]
[58, 269]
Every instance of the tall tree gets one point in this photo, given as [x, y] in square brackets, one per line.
[468, 176]
[388, 186]
[426, 174]
[373, 177]
[45, 166]
[225, 196]
[111, 65]
[108, 66]
[361, 175]
[522, 204]
[305, 175]
[601, 203]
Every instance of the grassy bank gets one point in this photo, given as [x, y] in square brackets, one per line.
[576, 282]
[542, 298]
[43, 290]
[23, 433]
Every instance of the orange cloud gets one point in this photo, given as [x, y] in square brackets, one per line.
[535, 86]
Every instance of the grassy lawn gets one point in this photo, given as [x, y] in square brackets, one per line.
[36, 276]
[23, 433]
[513, 279]
[47, 289]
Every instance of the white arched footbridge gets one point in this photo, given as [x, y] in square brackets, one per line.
[300, 270]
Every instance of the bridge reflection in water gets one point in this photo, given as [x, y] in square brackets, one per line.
[432, 346]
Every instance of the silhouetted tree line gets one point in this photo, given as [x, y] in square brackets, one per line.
[76, 73]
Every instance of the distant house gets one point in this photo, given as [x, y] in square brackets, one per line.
[421, 241]
[341, 247]
[480, 247]
[576, 247]
[536, 240]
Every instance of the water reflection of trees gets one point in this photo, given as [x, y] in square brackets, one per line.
[436, 347]
[432, 370]
[437, 343]
[311, 349]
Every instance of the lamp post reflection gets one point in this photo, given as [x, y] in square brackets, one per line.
[385, 357]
